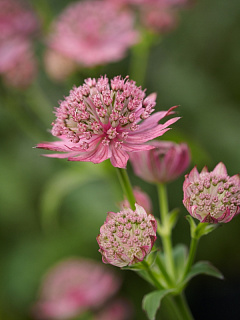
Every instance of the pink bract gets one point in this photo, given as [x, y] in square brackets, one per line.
[163, 164]
[74, 286]
[127, 236]
[101, 120]
[93, 33]
[142, 199]
[212, 196]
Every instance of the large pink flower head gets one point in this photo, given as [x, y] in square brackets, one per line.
[74, 286]
[127, 236]
[212, 196]
[93, 33]
[163, 164]
[101, 120]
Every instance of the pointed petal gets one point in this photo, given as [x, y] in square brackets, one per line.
[119, 158]
[220, 169]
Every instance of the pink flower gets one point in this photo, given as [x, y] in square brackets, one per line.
[119, 309]
[141, 198]
[16, 19]
[127, 236]
[212, 196]
[93, 33]
[17, 62]
[74, 286]
[163, 164]
[98, 121]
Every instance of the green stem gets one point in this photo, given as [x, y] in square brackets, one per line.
[172, 308]
[166, 229]
[183, 307]
[191, 256]
[152, 276]
[164, 272]
[126, 186]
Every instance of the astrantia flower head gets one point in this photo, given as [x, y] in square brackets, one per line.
[74, 286]
[101, 120]
[142, 199]
[163, 164]
[212, 196]
[127, 236]
[93, 33]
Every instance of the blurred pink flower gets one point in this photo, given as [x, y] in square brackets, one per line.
[163, 164]
[119, 309]
[74, 286]
[16, 19]
[18, 24]
[93, 33]
[98, 121]
[127, 236]
[212, 196]
[142, 199]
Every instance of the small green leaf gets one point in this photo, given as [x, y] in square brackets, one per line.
[152, 301]
[204, 229]
[192, 225]
[180, 257]
[172, 217]
[203, 267]
[151, 257]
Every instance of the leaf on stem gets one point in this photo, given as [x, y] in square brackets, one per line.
[180, 257]
[152, 301]
[202, 229]
[203, 267]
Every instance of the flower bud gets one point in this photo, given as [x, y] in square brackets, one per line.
[127, 236]
[212, 196]
[141, 198]
[163, 164]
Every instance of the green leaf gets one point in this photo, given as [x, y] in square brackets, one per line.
[180, 257]
[152, 301]
[151, 257]
[172, 217]
[192, 225]
[203, 267]
[204, 229]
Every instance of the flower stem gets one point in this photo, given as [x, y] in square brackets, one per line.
[183, 307]
[191, 256]
[166, 229]
[163, 271]
[126, 186]
[152, 276]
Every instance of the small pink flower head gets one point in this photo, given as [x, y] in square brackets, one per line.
[212, 196]
[119, 309]
[93, 33]
[74, 286]
[163, 164]
[127, 236]
[101, 120]
[142, 199]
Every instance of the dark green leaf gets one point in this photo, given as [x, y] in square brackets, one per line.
[152, 301]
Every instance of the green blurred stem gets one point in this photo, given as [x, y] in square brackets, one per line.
[126, 186]
[155, 281]
[191, 256]
[183, 307]
[163, 271]
[166, 229]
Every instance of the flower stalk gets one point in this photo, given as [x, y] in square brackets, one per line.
[126, 186]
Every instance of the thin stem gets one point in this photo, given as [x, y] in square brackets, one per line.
[152, 276]
[126, 186]
[173, 309]
[191, 256]
[166, 229]
[163, 271]
[183, 307]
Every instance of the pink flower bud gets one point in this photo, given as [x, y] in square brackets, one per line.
[163, 164]
[127, 236]
[212, 196]
[74, 286]
[142, 199]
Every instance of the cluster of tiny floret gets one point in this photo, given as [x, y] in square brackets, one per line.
[127, 237]
[215, 194]
[103, 109]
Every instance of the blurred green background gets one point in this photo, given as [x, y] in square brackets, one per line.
[51, 208]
